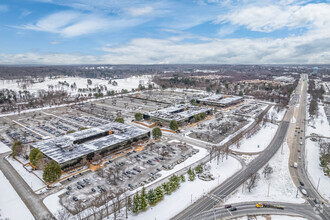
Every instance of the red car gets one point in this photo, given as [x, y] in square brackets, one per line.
[298, 150]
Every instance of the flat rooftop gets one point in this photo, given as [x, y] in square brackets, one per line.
[178, 112]
[221, 99]
[61, 149]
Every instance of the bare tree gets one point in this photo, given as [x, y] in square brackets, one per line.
[252, 181]
[62, 214]
[267, 171]
[78, 208]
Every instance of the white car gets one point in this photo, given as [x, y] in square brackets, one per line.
[303, 191]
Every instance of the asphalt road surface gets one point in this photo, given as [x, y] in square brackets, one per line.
[249, 208]
[31, 200]
[299, 174]
[206, 203]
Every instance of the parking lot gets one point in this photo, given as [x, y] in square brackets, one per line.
[128, 172]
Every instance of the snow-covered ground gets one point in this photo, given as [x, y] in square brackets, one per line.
[127, 83]
[11, 205]
[190, 191]
[4, 148]
[281, 187]
[34, 182]
[273, 217]
[272, 113]
[319, 125]
[259, 141]
[314, 169]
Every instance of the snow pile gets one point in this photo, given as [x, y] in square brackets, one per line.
[315, 171]
[11, 205]
[33, 181]
[259, 141]
[281, 186]
[4, 148]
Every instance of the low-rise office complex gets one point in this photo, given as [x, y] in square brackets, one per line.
[220, 100]
[180, 113]
[70, 149]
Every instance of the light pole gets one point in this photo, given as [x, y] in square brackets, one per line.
[318, 183]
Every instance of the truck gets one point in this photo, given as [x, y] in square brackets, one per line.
[265, 205]
[295, 165]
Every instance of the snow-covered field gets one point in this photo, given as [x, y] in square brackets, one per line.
[4, 148]
[319, 125]
[281, 187]
[314, 169]
[34, 182]
[181, 198]
[11, 205]
[259, 141]
[127, 83]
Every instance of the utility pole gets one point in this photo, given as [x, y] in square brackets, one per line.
[318, 183]
[268, 189]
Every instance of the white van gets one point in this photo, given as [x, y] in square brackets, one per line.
[295, 165]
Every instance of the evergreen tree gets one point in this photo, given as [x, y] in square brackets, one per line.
[183, 179]
[174, 125]
[136, 203]
[33, 154]
[159, 193]
[156, 133]
[39, 156]
[152, 197]
[16, 145]
[138, 116]
[52, 172]
[120, 120]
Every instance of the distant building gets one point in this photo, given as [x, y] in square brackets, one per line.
[180, 113]
[285, 79]
[70, 149]
[315, 70]
[220, 100]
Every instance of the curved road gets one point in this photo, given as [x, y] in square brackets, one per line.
[206, 203]
[249, 208]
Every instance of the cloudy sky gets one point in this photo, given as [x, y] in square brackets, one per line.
[164, 31]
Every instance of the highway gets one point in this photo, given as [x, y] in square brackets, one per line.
[249, 208]
[298, 143]
[206, 203]
[204, 207]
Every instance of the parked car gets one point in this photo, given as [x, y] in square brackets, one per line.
[75, 199]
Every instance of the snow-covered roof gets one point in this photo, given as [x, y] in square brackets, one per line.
[71, 146]
[221, 99]
[178, 112]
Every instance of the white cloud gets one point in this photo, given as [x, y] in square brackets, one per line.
[3, 8]
[72, 24]
[273, 17]
[313, 49]
[140, 11]
[54, 42]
